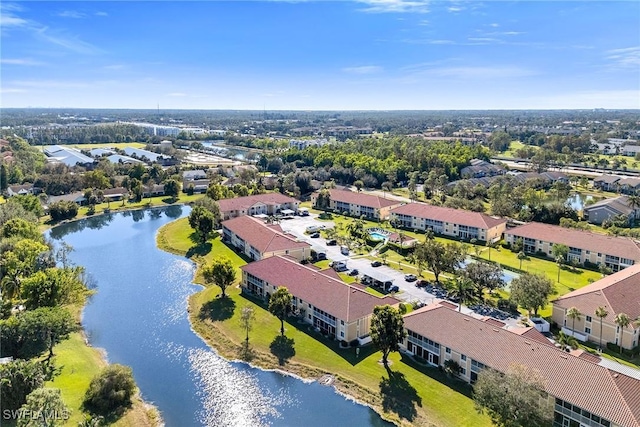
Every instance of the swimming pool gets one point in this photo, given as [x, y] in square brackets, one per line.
[377, 234]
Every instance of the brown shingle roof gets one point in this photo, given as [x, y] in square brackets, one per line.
[619, 292]
[246, 202]
[263, 237]
[361, 199]
[616, 246]
[586, 384]
[454, 216]
[324, 292]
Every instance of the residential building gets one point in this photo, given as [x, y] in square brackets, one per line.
[320, 298]
[614, 252]
[606, 209]
[153, 190]
[617, 293]
[359, 204]
[259, 204]
[117, 193]
[76, 197]
[458, 223]
[20, 190]
[629, 185]
[301, 144]
[606, 182]
[630, 150]
[481, 168]
[586, 392]
[196, 179]
[258, 240]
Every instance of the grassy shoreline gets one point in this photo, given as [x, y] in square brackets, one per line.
[409, 394]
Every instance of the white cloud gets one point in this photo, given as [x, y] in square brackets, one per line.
[625, 58]
[66, 41]
[101, 13]
[115, 67]
[71, 14]
[365, 69]
[177, 94]
[10, 20]
[395, 6]
[473, 73]
[12, 90]
[20, 61]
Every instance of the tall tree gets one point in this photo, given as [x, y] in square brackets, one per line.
[601, 312]
[484, 275]
[47, 403]
[439, 257]
[110, 391]
[202, 221]
[531, 291]
[19, 378]
[573, 313]
[514, 399]
[464, 290]
[221, 273]
[387, 330]
[172, 188]
[247, 317]
[280, 305]
[622, 320]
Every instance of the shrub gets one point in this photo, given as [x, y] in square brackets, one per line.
[451, 367]
[110, 391]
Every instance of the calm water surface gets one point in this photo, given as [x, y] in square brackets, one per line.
[139, 317]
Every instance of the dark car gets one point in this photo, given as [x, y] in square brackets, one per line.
[422, 283]
[410, 277]
[315, 235]
[354, 272]
[394, 288]
[332, 242]
[376, 264]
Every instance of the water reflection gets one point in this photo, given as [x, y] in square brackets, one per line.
[139, 317]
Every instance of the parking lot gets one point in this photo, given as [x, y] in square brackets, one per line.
[408, 291]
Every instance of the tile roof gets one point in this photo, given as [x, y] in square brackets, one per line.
[246, 202]
[608, 179]
[322, 291]
[361, 199]
[263, 237]
[619, 292]
[455, 216]
[610, 245]
[582, 382]
[618, 204]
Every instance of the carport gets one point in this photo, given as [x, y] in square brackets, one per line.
[376, 279]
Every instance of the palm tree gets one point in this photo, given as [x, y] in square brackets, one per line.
[601, 312]
[566, 341]
[521, 256]
[573, 313]
[464, 289]
[622, 320]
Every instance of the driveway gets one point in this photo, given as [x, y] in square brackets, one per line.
[409, 292]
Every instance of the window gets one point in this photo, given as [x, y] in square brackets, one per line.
[342, 334]
[463, 357]
[587, 330]
[342, 322]
[447, 350]
[588, 318]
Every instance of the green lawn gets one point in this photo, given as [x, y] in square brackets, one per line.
[78, 364]
[513, 147]
[412, 393]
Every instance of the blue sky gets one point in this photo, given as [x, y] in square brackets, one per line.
[321, 55]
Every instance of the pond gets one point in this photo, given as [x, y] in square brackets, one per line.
[578, 201]
[139, 316]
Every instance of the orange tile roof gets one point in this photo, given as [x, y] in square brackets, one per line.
[324, 292]
[246, 202]
[361, 199]
[610, 245]
[618, 292]
[454, 216]
[609, 394]
[263, 237]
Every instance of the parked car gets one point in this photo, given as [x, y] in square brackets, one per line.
[422, 283]
[314, 235]
[376, 264]
[321, 256]
[344, 250]
[354, 272]
[332, 242]
[410, 277]
[394, 288]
